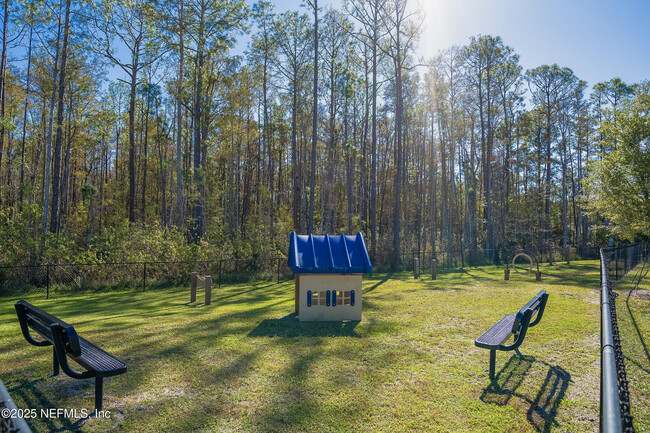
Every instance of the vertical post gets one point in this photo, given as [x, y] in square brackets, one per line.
[208, 290]
[506, 274]
[601, 270]
[220, 273]
[193, 287]
[434, 269]
[144, 277]
[99, 392]
[279, 258]
[47, 278]
[616, 262]
[416, 268]
[493, 358]
[55, 362]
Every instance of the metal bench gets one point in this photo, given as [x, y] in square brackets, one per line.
[512, 324]
[65, 341]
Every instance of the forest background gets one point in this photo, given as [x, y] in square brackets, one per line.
[326, 123]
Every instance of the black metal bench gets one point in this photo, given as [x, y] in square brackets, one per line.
[512, 324]
[65, 341]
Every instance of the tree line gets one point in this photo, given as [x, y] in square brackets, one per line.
[139, 115]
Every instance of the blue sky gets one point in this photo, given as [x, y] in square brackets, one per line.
[597, 39]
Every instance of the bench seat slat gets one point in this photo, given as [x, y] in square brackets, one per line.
[95, 359]
[497, 334]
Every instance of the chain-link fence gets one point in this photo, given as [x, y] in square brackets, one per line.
[457, 258]
[56, 280]
[447, 259]
[615, 263]
[623, 259]
[62, 279]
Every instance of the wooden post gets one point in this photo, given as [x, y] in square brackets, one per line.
[506, 274]
[538, 276]
[434, 269]
[193, 287]
[416, 268]
[208, 290]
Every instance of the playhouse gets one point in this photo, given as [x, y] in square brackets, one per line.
[328, 272]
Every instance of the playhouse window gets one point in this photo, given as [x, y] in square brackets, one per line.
[318, 298]
[343, 297]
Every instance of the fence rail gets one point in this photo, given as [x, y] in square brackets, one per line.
[615, 263]
[62, 279]
[14, 423]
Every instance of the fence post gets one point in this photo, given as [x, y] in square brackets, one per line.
[47, 283]
[416, 268]
[193, 287]
[144, 277]
[208, 290]
[434, 269]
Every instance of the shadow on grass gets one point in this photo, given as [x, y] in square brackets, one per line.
[387, 277]
[506, 382]
[637, 280]
[543, 408]
[290, 327]
[26, 393]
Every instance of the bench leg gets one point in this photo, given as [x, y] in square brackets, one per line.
[55, 362]
[99, 392]
[493, 358]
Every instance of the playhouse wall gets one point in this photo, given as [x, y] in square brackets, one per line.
[321, 282]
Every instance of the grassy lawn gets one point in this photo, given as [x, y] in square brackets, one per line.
[246, 364]
[633, 316]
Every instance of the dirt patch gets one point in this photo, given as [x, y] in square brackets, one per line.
[638, 293]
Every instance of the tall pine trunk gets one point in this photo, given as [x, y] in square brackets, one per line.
[24, 133]
[314, 136]
[56, 179]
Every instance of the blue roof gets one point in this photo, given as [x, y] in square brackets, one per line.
[325, 254]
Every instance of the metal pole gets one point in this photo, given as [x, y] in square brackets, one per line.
[610, 409]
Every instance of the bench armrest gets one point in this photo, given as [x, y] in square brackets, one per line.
[522, 322]
[540, 309]
[24, 327]
[58, 334]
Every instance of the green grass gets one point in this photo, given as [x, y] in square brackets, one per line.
[633, 317]
[246, 364]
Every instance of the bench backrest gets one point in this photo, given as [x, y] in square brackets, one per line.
[42, 323]
[534, 308]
